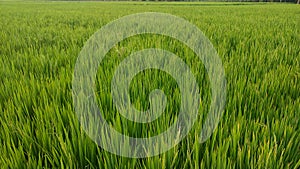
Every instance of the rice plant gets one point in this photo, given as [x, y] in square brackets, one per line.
[257, 43]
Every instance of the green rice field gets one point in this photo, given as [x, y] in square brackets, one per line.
[258, 44]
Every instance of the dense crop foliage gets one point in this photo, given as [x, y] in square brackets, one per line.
[258, 45]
